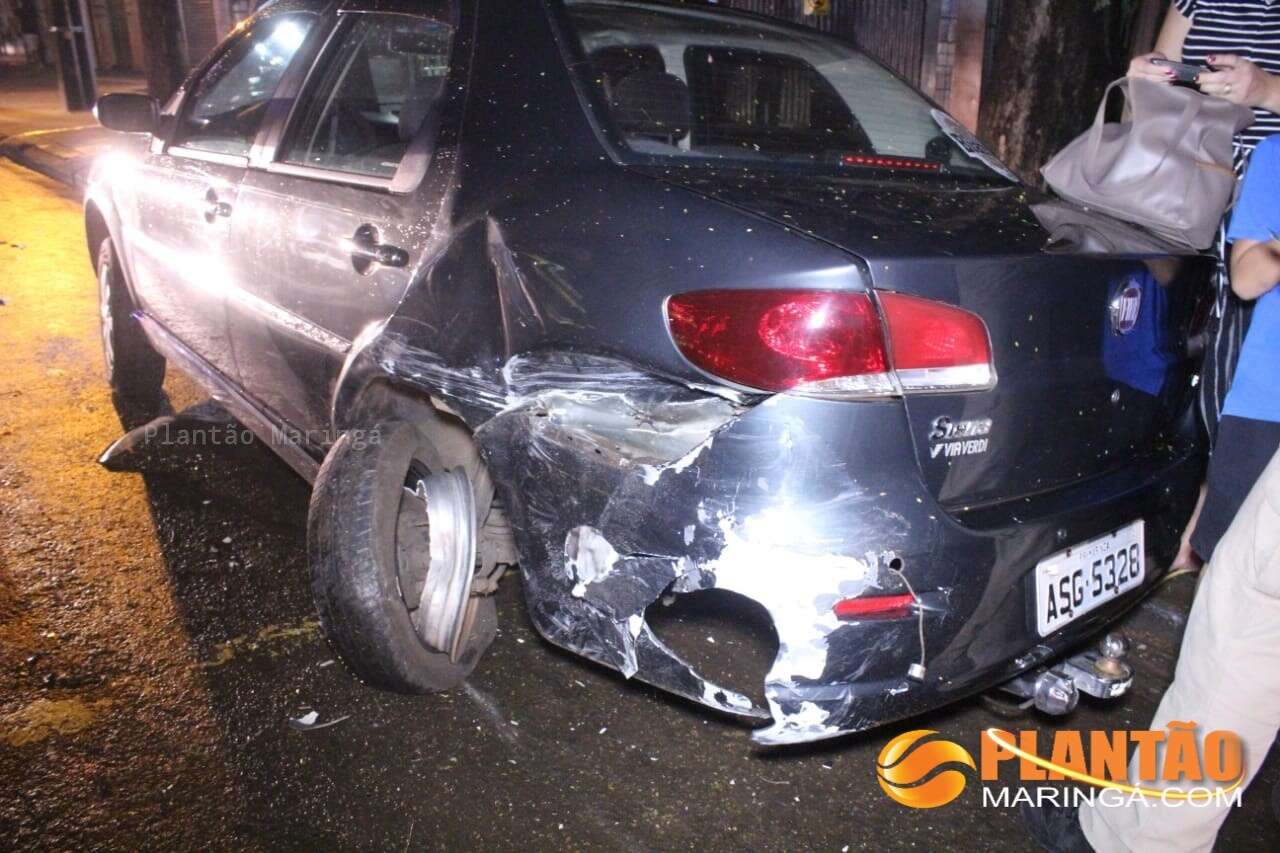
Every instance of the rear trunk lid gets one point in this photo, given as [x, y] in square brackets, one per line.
[1089, 321]
[1092, 366]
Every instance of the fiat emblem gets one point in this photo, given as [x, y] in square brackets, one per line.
[1125, 307]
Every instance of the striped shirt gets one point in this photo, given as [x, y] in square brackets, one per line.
[1247, 28]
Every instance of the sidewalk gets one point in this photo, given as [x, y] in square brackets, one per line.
[37, 132]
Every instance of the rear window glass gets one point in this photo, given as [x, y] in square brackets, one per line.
[704, 85]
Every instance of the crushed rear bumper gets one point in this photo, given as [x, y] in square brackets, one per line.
[623, 487]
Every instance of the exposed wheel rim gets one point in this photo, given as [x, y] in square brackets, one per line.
[107, 320]
[438, 595]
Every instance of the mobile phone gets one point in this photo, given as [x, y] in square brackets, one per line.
[1183, 72]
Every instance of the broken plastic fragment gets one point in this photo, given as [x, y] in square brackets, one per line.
[309, 722]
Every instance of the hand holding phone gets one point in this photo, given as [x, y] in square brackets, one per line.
[1183, 72]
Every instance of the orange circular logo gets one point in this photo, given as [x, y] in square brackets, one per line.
[906, 770]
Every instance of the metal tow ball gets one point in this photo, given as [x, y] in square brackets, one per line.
[1114, 648]
[1101, 672]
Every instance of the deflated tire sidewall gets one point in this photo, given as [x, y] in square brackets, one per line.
[352, 551]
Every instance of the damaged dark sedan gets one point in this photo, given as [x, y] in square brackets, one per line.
[656, 301]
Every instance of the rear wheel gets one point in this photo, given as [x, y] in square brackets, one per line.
[391, 539]
[135, 371]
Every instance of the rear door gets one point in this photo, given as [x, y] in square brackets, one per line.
[188, 186]
[335, 220]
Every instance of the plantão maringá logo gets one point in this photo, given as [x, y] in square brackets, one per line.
[905, 769]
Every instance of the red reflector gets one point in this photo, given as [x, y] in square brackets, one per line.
[873, 605]
[777, 339]
[926, 334]
[879, 162]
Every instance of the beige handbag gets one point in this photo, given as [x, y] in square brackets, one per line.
[1168, 167]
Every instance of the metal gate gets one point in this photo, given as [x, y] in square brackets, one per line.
[893, 31]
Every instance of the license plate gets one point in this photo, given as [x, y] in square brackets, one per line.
[1072, 582]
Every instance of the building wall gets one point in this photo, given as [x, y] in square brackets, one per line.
[893, 31]
[922, 40]
[133, 24]
[117, 27]
[103, 42]
[946, 52]
[200, 20]
[8, 18]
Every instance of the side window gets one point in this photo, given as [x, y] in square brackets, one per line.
[374, 93]
[229, 101]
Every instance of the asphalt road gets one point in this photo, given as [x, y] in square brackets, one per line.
[157, 638]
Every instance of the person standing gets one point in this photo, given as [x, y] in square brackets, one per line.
[1228, 674]
[1240, 41]
[1249, 431]
[1228, 678]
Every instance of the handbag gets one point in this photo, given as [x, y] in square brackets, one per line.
[1073, 229]
[1167, 167]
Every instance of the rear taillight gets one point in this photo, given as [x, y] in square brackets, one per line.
[936, 347]
[775, 340]
[831, 343]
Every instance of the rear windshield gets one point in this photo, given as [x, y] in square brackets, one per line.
[707, 87]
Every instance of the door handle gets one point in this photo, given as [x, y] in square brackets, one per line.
[367, 251]
[214, 208]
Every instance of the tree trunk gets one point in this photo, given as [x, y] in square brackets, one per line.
[1051, 62]
[162, 39]
[1147, 21]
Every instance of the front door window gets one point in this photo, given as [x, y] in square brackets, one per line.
[227, 105]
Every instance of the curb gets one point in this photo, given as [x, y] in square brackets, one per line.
[24, 150]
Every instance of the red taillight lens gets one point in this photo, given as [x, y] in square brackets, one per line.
[936, 346]
[777, 339]
[830, 343]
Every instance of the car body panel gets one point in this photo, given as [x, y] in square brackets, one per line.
[302, 302]
[532, 309]
[988, 251]
[178, 253]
